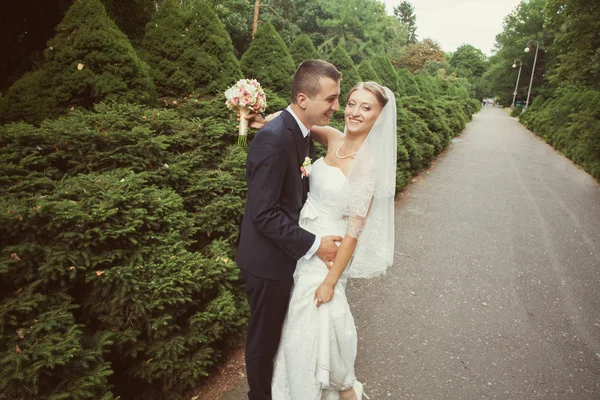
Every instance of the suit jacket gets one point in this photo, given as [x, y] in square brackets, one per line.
[270, 241]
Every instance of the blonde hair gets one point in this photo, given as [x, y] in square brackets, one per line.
[372, 87]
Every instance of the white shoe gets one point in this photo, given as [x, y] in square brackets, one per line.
[359, 391]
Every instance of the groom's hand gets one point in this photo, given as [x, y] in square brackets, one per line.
[328, 249]
[257, 121]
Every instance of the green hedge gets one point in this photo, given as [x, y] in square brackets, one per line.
[117, 229]
[570, 122]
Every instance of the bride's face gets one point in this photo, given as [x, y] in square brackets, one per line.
[361, 112]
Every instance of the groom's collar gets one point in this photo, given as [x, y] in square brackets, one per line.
[303, 128]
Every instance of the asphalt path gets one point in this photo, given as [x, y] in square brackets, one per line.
[495, 288]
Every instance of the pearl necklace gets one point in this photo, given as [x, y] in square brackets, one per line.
[346, 156]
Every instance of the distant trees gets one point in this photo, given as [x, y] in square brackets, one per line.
[418, 54]
[405, 12]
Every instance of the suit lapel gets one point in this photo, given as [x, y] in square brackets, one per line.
[291, 124]
[296, 132]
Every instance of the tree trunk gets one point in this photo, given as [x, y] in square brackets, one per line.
[255, 22]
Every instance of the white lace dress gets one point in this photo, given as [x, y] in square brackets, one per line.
[316, 355]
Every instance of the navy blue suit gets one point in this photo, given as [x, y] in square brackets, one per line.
[271, 242]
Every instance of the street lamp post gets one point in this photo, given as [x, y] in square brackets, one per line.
[518, 77]
[533, 70]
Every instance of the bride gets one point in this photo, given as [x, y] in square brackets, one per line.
[351, 195]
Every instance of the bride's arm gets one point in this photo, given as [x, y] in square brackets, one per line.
[324, 134]
[324, 292]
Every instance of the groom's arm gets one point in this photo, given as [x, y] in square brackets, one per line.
[267, 164]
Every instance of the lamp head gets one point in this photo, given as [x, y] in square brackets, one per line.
[526, 49]
[514, 65]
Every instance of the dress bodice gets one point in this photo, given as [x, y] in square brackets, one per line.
[326, 184]
[322, 212]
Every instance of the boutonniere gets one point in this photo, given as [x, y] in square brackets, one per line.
[306, 168]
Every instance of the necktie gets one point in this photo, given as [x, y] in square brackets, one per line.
[307, 145]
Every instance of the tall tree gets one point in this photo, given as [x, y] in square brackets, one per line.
[357, 24]
[405, 12]
[575, 24]
[396, 38]
[417, 55]
[468, 61]
[236, 15]
[523, 24]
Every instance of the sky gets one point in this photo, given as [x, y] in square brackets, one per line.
[455, 22]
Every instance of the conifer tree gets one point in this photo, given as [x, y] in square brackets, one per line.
[269, 61]
[211, 54]
[90, 60]
[345, 65]
[411, 87]
[405, 12]
[367, 73]
[163, 48]
[425, 87]
[303, 49]
[387, 73]
[29, 99]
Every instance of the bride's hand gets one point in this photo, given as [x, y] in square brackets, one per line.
[324, 293]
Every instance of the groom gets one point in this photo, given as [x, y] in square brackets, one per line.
[271, 242]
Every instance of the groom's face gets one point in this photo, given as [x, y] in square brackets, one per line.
[321, 106]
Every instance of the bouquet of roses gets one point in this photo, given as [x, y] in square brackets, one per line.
[246, 97]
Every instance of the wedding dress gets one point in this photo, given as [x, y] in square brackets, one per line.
[315, 359]
[318, 344]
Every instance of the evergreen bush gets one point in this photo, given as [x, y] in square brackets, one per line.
[269, 61]
[408, 82]
[189, 50]
[415, 136]
[166, 48]
[29, 99]
[570, 123]
[425, 89]
[433, 117]
[516, 111]
[216, 66]
[345, 65]
[303, 49]
[367, 73]
[455, 114]
[121, 223]
[387, 73]
[89, 60]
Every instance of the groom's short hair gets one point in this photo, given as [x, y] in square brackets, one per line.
[307, 78]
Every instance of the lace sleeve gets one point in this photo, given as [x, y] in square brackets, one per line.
[360, 197]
